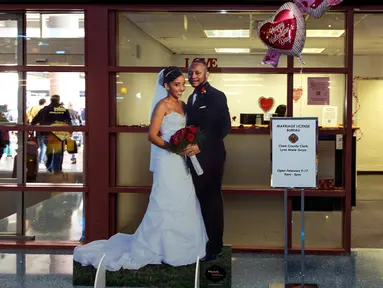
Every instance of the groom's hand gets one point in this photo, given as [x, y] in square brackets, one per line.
[191, 150]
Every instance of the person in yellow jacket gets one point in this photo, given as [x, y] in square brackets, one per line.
[32, 111]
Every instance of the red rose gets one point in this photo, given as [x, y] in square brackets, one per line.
[180, 134]
[192, 129]
[175, 140]
[190, 137]
[203, 90]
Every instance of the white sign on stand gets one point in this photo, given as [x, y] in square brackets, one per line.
[294, 152]
[294, 143]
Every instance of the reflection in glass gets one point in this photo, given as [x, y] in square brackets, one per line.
[9, 83]
[9, 202]
[8, 158]
[54, 215]
[325, 41]
[135, 93]
[176, 37]
[10, 42]
[56, 157]
[8, 263]
[48, 264]
[314, 100]
[55, 39]
[43, 151]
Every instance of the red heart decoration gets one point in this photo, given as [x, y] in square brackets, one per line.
[280, 34]
[266, 103]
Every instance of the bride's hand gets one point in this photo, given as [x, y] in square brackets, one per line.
[191, 150]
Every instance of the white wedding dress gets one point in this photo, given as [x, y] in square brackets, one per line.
[172, 230]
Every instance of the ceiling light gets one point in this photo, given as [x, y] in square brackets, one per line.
[243, 85]
[232, 50]
[238, 33]
[312, 50]
[33, 16]
[327, 33]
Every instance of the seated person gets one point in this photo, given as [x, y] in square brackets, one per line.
[281, 110]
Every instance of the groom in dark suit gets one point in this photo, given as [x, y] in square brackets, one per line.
[207, 109]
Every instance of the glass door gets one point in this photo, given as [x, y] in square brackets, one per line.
[12, 107]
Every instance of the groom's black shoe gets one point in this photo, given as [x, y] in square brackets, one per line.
[210, 257]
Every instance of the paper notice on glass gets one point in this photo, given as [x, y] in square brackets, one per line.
[330, 116]
[318, 90]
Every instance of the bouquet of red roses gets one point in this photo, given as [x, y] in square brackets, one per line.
[181, 139]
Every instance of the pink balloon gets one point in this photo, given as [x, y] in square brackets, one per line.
[272, 58]
[316, 8]
[285, 32]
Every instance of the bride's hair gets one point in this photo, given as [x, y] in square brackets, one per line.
[170, 74]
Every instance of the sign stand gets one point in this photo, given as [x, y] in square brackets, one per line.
[294, 165]
[285, 233]
[303, 236]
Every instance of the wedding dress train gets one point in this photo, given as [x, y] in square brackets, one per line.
[172, 230]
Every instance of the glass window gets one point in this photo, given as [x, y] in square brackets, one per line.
[320, 95]
[55, 39]
[131, 208]
[367, 46]
[70, 86]
[55, 157]
[9, 162]
[222, 39]
[133, 150]
[243, 91]
[325, 41]
[323, 222]
[10, 42]
[11, 96]
[54, 215]
[9, 203]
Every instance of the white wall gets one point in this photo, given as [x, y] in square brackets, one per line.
[370, 117]
[136, 48]
[369, 154]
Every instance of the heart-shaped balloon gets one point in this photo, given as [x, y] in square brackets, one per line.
[285, 32]
[266, 103]
[316, 8]
[297, 94]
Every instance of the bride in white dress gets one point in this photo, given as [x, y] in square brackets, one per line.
[172, 230]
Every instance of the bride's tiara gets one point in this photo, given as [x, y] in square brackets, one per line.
[169, 72]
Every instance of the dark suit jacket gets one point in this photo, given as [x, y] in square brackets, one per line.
[211, 115]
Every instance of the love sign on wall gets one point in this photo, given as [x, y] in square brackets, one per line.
[210, 62]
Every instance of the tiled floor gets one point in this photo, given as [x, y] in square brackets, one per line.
[360, 270]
